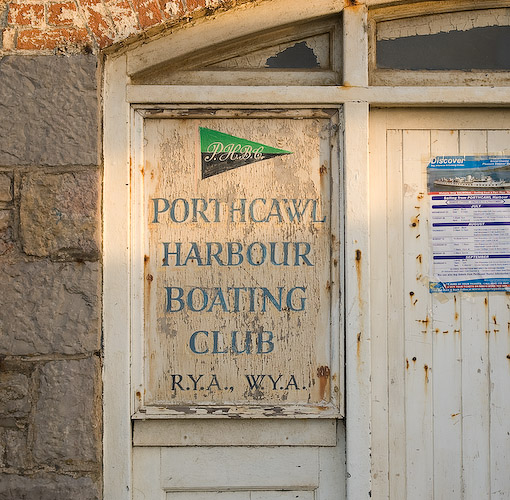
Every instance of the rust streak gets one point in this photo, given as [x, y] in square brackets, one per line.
[455, 415]
[419, 258]
[407, 364]
[359, 275]
[494, 320]
[426, 368]
[323, 373]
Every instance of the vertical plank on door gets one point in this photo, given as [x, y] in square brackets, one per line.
[447, 379]
[418, 344]
[475, 370]
[378, 301]
[499, 362]
[396, 329]
[498, 141]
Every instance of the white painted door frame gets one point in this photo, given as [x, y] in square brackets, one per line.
[356, 99]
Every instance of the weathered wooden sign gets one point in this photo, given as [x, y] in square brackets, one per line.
[241, 298]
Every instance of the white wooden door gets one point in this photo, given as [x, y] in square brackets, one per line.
[440, 362]
[220, 199]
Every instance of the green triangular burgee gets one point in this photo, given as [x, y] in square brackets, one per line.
[222, 152]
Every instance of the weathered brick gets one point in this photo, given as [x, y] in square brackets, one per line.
[148, 11]
[98, 21]
[6, 242]
[5, 188]
[195, 4]
[26, 14]
[8, 38]
[52, 38]
[67, 419]
[47, 487]
[53, 121]
[123, 17]
[14, 395]
[60, 214]
[172, 8]
[49, 308]
[63, 14]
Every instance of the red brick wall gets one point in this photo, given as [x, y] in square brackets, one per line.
[88, 25]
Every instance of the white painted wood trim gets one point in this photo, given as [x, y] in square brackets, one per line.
[116, 317]
[310, 95]
[244, 21]
[137, 268]
[355, 46]
[209, 432]
[357, 300]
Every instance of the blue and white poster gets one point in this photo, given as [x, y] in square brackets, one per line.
[470, 223]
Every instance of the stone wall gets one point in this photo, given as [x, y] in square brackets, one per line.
[50, 278]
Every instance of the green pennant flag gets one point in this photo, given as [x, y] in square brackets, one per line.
[222, 152]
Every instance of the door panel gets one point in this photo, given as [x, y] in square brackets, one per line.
[237, 377]
[439, 361]
[238, 473]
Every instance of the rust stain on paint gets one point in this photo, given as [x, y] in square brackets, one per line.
[358, 346]
[494, 320]
[323, 373]
[407, 364]
[427, 369]
[424, 322]
[453, 415]
[419, 258]
[415, 221]
[359, 276]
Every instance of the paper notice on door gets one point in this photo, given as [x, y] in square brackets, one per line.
[470, 223]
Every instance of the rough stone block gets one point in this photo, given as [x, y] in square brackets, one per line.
[47, 487]
[48, 110]
[60, 215]
[14, 395]
[67, 420]
[6, 242]
[49, 307]
[13, 448]
[5, 188]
